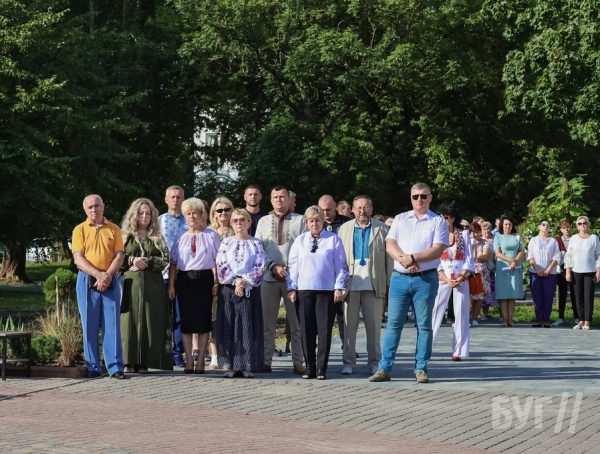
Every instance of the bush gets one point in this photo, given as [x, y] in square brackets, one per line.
[67, 282]
[67, 329]
[46, 348]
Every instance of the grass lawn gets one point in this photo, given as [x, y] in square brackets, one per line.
[39, 272]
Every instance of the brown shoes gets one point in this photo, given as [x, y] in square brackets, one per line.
[299, 369]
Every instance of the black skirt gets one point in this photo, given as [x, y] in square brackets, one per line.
[194, 293]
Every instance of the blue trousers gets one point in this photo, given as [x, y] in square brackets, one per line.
[177, 340]
[543, 290]
[419, 291]
[98, 308]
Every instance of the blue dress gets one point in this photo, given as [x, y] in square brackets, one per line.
[509, 284]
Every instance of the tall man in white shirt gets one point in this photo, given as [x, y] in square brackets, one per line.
[277, 231]
[370, 272]
[416, 242]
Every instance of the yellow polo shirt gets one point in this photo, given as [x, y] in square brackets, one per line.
[98, 244]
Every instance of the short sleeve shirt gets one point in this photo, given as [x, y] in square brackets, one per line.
[417, 235]
[98, 243]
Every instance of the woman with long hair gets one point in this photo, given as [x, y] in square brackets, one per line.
[582, 263]
[489, 298]
[145, 318]
[455, 267]
[509, 250]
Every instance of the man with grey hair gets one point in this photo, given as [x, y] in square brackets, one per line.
[277, 231]
[416, 242]
[172, 224]
[98, 253]
[370, 272]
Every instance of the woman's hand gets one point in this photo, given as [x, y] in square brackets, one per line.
[338, 296]
[172, 292]
[513, 264]
[568, 277]
[239, 291]
[598, 275]
[292, 295]
[215, 289]
[140, 263]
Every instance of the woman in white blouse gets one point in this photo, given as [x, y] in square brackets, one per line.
[455, 266]
[543, 255]
[240, 327]
[317, 277]
[192, 277]
[582, 263]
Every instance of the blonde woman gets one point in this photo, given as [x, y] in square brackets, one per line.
[145, 318]
[582, 263]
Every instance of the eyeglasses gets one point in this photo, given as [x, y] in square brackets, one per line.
[315, 244]
[361, 208]
[238, 220]
[223, 210]
[582, 223]
[423, 196]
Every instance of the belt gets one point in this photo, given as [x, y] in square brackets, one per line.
[418, 273]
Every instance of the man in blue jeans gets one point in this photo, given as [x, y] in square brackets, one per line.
[415, 241]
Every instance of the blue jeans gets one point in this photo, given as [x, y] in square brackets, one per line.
[96, 309]
[419, 291]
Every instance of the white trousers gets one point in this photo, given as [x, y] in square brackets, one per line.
[271, 294]
[460, 343]
[372, 318]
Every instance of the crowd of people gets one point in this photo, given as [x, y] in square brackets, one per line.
[205, 282]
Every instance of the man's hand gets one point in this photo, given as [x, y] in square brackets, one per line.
[278, 272]
[405, 260]
[103, 280]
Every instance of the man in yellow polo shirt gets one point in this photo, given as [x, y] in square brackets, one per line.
[98, 253]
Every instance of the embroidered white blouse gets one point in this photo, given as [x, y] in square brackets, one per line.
[453, 261]
[543, 252]
[583, 255]
[323, 269]
[241, 258]
[196, 251]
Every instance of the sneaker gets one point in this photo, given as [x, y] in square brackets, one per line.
[380, 375]
[585, 327]
[559, 322]
[577, 327]
[421, 376]
[475, 323]
[347, 370]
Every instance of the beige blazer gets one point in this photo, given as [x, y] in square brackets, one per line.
[381, 264]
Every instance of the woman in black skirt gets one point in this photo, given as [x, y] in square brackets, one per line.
[240, 267]
[192, 277]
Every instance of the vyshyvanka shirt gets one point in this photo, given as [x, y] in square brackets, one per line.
[196, 251]
[417, 235]
[241, 258]
[317, 264]
[543, 251]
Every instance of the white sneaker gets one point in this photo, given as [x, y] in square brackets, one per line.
[585, 327]
[577, 321]
[559, 322]
[577, 327]
[475, 323]
[348, 370]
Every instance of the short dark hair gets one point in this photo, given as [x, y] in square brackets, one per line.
[252, 186]
[475, 227]
[449, 209]
[503, 218]
[565, 223]
[280, 187]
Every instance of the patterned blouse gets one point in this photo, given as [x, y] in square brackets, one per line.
[241, 258]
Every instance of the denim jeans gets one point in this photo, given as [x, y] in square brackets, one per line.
[405, 290]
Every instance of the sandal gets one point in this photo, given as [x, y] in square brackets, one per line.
[214, 363]
[247, 374]
[321, 375]
[195, 355]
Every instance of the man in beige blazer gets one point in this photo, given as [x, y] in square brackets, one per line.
[370, 272]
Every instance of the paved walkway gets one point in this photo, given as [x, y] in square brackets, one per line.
[523, 390]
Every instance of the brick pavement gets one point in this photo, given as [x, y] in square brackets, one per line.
[281, 413]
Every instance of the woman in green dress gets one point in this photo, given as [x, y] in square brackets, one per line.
[145, 317]
[509, 250]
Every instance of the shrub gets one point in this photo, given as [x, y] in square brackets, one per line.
[67, 282]
[46, 348]
[69, 332]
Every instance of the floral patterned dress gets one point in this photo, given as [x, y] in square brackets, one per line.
[240, 329]
[481, 269]
[489, 298]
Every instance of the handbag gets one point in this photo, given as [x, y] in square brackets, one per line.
[475, 284]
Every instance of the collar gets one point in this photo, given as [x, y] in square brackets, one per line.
[179, 216]
[428, 215]
[90, 223]
[280, 216]
[356, 226]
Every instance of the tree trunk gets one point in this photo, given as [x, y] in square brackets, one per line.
[60, 251]
[13, 264]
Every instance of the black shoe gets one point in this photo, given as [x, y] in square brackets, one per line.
[92, 374]
[119, 375]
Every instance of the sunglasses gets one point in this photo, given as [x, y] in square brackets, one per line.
[238, 220]
[223, 210]
[582, 223]
[422, 196]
